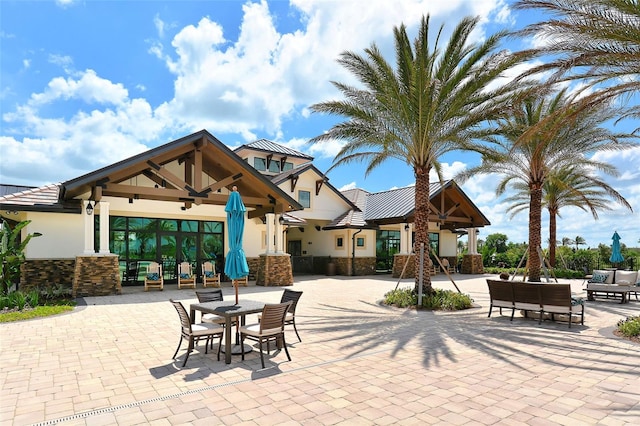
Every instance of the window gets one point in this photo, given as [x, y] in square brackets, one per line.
[304, 198]
[260, 164]
[339, 242]
[287, 166]
[360, 242]
[274, 166]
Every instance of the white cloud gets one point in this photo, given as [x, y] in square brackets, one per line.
[350, 185]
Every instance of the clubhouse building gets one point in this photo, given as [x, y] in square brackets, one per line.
[166, 205]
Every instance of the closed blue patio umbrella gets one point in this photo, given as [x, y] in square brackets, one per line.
[616, 255]
[235, 265]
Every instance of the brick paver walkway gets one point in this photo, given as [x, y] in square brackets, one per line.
[359, 363]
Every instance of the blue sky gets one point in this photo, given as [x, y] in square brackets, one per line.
[87, 83]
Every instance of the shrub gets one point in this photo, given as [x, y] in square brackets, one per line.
[17, 299]
[401, 298]
[445, 300]
[630, 326]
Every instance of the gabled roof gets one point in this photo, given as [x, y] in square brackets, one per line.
[449, 205]
[197, 154]
[297, 171]
[354, 218]
[44, 198]
[201, 152]
[265, 145]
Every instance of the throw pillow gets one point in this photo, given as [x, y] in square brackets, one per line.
[185, 276]
[153, 276]
[599, 278]
[209, 274]
[575, 301]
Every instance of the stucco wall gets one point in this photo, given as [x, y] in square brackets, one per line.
[62, 235]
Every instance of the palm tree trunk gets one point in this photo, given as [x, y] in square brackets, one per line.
[422, 211]
[535, 214]
[552, 237]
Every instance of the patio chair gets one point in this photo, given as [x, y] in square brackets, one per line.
[153, 277]
[193, 333]
[501, 296]
[131, 272]
[431, 267]
[241, 282]
[293, 296]
[270, 328]
[447, 266]
[212, 296]
[556, 299]
[209, 275]
[185, 276]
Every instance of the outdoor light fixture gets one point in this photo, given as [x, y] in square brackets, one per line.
[130, 200]
[89, 208]
[406, 227]
[281, 220]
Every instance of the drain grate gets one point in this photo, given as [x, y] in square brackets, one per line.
[135, 404]
[190, 392]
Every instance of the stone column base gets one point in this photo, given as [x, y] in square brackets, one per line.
[472, 264]
[97, 275]
[398, 265]
[274, 270]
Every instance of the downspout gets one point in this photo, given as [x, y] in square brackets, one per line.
[353, 252]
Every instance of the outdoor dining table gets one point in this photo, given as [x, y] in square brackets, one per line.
[227, 310]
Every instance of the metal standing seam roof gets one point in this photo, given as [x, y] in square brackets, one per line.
[272, 147]
[42, 198]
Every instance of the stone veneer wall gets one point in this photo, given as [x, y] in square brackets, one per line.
[44, 273]
[96, 276]
[275, 270]
[362, 265]
[254, 266]
[472, 264]
[398, 264]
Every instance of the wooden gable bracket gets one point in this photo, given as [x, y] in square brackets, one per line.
[446, 214]
[319, 183]
[434, 209]
[282, 161]
[294, 181]
[269, 158]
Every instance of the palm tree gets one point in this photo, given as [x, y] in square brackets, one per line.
[566, 241]
[596, 41]
[579, 241]
[573, 186]
[529, 152]
[430, 104]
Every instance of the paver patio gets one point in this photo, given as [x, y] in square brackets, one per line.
[109, 363]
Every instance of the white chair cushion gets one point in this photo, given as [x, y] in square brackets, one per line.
[254, 330]
[206, 328]
[213, 318]
[626, 277]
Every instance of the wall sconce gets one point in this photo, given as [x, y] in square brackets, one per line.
[89, 208]
[318, 228]
[130, 200]
[406, 227]
[281, 220]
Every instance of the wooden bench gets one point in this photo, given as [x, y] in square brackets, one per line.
[540, 298]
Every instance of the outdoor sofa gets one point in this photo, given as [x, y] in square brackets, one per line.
[545, 300]
[613, 283]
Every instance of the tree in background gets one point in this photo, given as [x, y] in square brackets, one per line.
[566, 241]
[432, 102]
[572, 186]
[542, 136]
[579, 241]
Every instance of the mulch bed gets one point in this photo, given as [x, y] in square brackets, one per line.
[634, 339]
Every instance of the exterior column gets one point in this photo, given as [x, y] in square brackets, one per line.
[279, 234]
[88, 229]
[270, 221]
[472, 241]
[104, 227]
